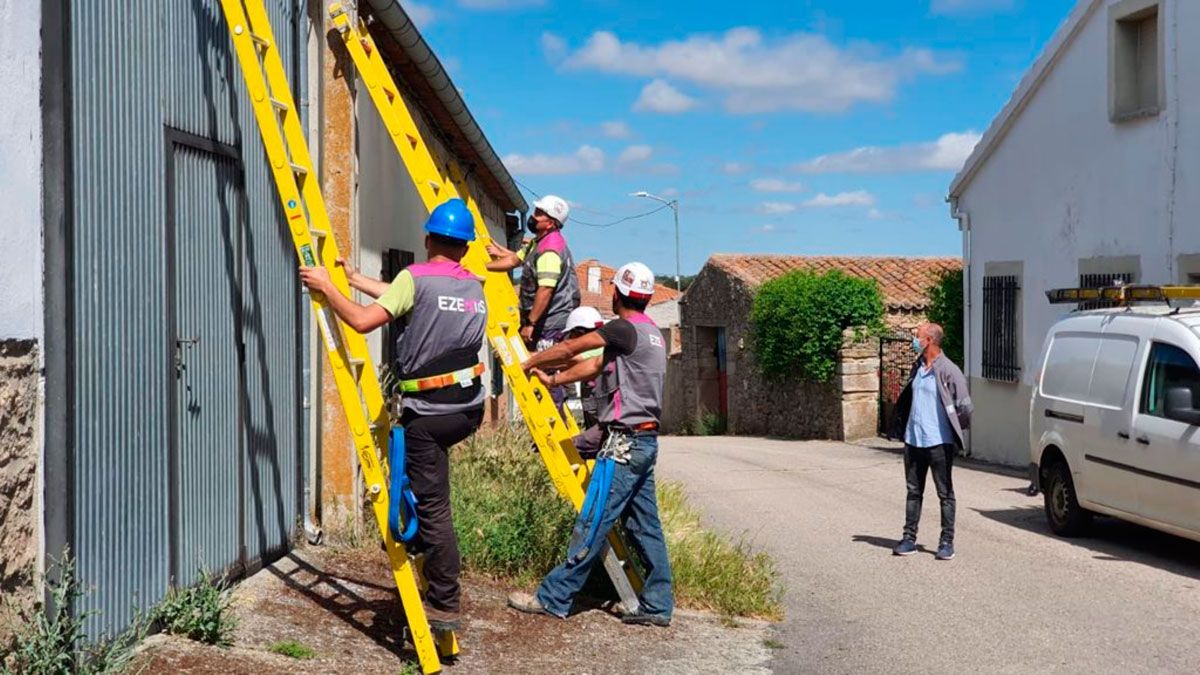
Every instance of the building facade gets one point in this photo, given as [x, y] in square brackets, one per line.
[1086, 177]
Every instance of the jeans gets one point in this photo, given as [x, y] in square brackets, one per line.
[427, 440]
[633, 501]
[917, 463]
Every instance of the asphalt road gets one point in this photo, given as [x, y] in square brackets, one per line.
[1015, 600]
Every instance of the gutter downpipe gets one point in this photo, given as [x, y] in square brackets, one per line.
[964, 226]
[398, 23]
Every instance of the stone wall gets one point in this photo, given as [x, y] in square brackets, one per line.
[758, 405]
[19, 440]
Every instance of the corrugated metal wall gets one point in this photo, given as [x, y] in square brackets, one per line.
[137, 70]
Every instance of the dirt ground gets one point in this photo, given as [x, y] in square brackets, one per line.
[342, 605]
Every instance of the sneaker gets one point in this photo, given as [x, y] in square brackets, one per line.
[905, 547]
[528, 603]
[643, 619]
[945, 551]
[442, 620]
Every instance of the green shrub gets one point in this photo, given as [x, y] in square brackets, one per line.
[52, 641]
[711, 571]
[798, 321]
[946, 310]
[510, 520]
[201, 612]
[710, 424]
[293, 649]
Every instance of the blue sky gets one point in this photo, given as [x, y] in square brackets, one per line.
[804, 127]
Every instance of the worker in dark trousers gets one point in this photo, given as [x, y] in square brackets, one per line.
[584, 320]
[440, 376]
[631, 392]
[549, 289]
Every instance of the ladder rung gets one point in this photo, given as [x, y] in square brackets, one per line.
[279, 105]
[299, 169]
[356, 362]
[318, 234]
[259, 40]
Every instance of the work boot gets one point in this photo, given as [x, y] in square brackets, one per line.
[528, 603]
[440, 619]
[642, 619]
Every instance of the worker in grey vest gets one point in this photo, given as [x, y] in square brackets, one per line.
[440, 377]
[631, 391]
[549, 288]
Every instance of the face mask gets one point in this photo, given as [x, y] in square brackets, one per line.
[916, 346]
[531, 224]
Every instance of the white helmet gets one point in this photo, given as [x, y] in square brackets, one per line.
[635, 280]
[555, 207]
[584, 317]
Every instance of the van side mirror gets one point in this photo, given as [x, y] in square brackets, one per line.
[1179, 406]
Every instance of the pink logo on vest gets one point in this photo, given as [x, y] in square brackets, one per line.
[449, 303]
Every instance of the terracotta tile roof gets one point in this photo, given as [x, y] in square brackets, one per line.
[603, 299]
[903, 281]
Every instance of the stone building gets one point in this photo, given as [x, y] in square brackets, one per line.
[716, 373]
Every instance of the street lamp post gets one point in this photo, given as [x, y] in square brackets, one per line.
[674, 204]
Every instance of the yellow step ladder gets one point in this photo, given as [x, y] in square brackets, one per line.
[436, 182]
[307, 220]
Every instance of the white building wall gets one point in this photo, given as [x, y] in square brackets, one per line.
[1067, 184]
[389, 211]
[21, 171]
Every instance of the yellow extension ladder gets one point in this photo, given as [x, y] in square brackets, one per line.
[436, 182]
[307, 220]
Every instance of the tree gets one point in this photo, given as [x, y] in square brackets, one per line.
[946, 310]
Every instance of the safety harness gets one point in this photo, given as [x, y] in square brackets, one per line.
[401, 497]
[463, 378]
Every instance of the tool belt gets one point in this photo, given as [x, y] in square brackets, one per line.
[635, 429]
[464, 378]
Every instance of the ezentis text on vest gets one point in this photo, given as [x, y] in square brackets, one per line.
[449, 303]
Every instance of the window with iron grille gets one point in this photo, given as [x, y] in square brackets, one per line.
[1000, 336]
[1103, 280]
[394, 261]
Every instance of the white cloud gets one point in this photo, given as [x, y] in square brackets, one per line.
[875, 214]
[945, 154]
[670, 193]
[776, 185]
[586, 159]
[635, 153]
[776, 208]
[421, 14]
[799, 71]
[856, 198]
[767, 228]
[946, 7]
[616, 129]
[660, 97]
[735, 168]
[553, 47]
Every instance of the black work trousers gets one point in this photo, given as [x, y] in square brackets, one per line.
[427, 440]
[919, 462]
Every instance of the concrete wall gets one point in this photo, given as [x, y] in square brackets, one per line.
[1067, 185]
[21, 310]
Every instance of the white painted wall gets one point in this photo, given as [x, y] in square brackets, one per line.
[1067, 184]
[21, 170]
[389, 212]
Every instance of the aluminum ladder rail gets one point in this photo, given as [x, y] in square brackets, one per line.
[308, 222]
[436, 182]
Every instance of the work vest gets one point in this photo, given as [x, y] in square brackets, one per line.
[632, 385]
[566, 292]
[444, 334]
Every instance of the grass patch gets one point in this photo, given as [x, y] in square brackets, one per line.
[770, 643]
[714, 572]
[200, 612]
[293, 649]
[511, 523]
[52, 641]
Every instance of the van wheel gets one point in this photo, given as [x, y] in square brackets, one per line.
[1066, 517]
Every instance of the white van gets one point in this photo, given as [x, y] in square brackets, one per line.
[1114, 424]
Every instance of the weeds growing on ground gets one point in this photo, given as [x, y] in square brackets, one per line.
[53, 641]
[510, 520]
[293, 649]
[200, 612]
[713, 572]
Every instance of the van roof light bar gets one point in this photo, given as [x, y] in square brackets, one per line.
[1123, 295]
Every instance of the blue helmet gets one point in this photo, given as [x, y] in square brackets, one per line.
[452, 219]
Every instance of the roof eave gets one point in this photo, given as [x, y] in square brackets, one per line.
[1023, 94]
